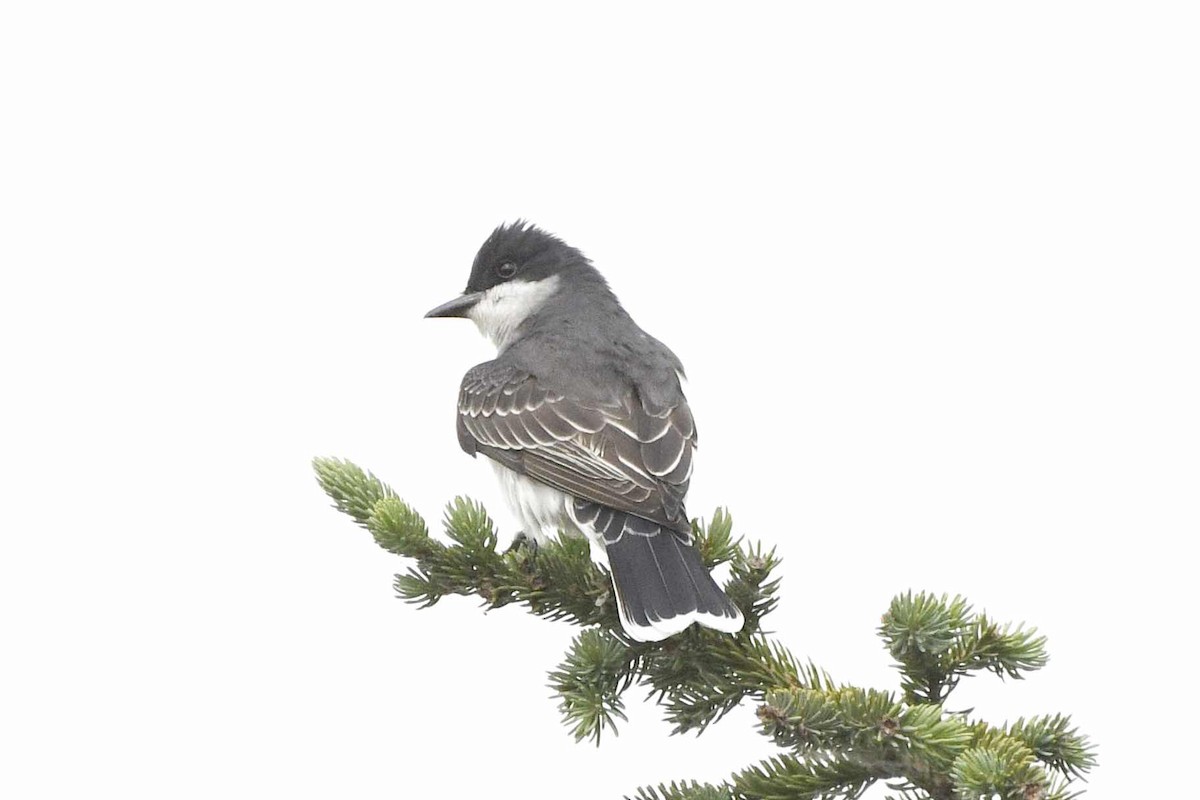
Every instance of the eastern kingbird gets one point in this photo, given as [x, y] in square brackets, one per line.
[584, 419]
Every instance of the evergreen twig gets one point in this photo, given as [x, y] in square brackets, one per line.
[837, 740]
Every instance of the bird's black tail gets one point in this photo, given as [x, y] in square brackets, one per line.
[662, 586]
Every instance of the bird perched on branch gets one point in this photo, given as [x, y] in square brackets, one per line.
[584, 419]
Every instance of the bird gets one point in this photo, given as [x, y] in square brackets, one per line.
[583, 417]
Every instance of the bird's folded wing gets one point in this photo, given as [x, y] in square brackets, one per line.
[624, 456]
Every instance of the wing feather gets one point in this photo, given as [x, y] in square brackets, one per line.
[625, 456]
[581, 418]
[535, 432]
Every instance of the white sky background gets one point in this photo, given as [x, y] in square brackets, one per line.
[932, 271]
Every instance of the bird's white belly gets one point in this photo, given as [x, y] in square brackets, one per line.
[540, 509]
[543, 511]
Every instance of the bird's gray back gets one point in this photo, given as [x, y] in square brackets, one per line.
[585, 345]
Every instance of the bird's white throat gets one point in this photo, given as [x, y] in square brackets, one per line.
[505, 306]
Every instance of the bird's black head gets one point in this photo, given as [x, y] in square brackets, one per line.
[518, 268]
[520, 251]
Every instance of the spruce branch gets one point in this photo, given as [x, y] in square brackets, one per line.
[353, 490]
[837, 740]
[1005, 768]
[936, 641]
[819, 776]
[1056, 743]
[598, 668]
[683, 791]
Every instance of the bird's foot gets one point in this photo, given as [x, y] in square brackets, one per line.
[522, 542]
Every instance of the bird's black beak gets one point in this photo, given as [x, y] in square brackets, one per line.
[458, 307]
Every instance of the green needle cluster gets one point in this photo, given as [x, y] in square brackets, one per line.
[835, 740]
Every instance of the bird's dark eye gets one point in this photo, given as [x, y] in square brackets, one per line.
[507, 269]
